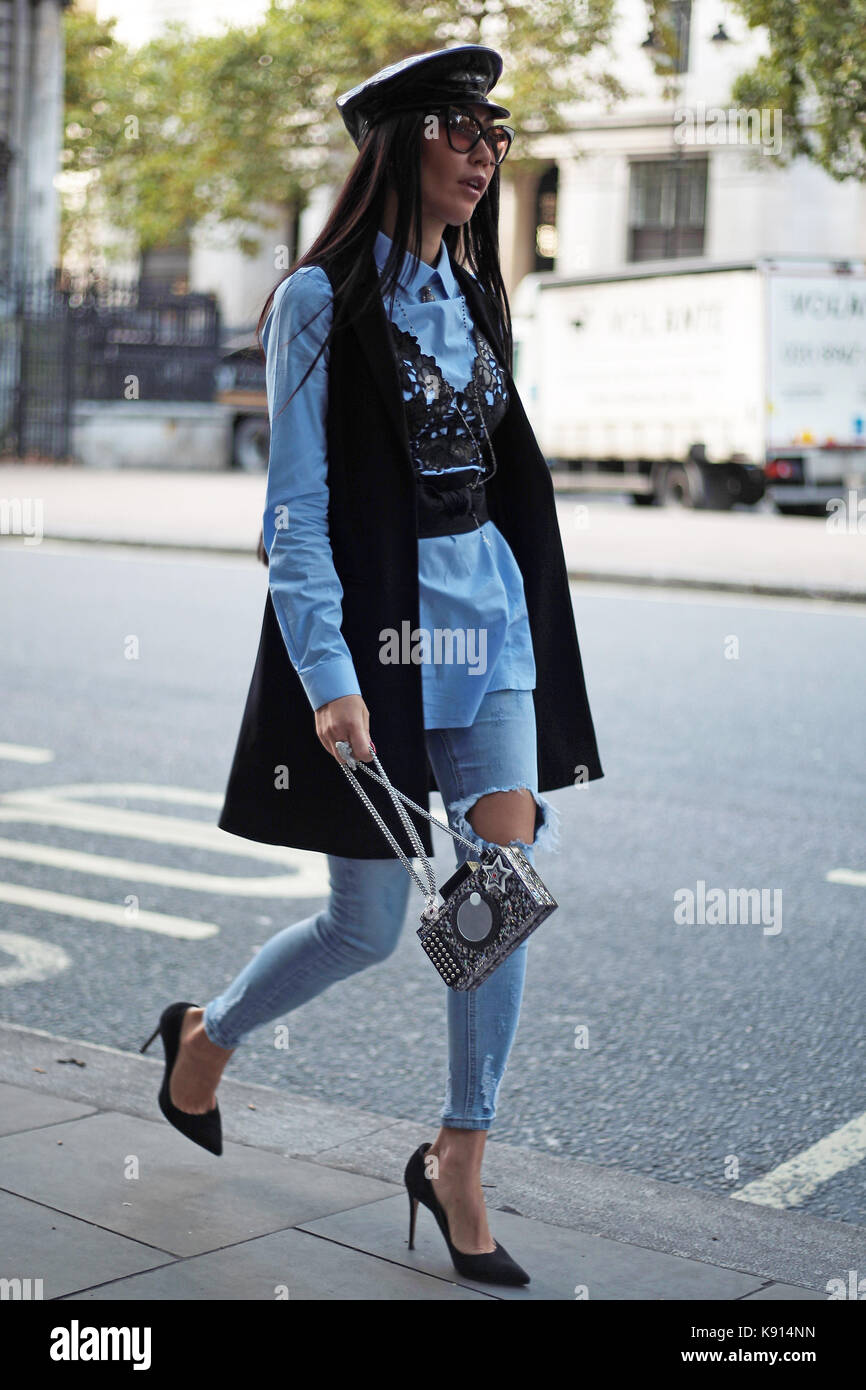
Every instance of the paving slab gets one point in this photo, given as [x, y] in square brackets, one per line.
[21, 1109]
[41, 1243]
[74, 1144]
[289, 1265]
[746, 550]
[562, 1264]
[784, 1293]
[126, 1080]
[148, 1182]
[739, 551]
[789, 1247]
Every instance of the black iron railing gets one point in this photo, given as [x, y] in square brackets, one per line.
[64, 340]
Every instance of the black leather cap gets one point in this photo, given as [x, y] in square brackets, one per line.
[462, 73]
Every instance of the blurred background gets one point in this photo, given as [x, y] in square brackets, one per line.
[683, 230]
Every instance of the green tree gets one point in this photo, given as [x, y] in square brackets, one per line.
[814, 72]
[242, 125]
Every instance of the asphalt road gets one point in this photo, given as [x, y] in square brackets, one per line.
[715, 1052]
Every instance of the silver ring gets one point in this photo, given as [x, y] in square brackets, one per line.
[345, 750]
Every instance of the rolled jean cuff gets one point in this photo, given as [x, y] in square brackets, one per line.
[212, 1029]
[547, 819]
[464, 1124]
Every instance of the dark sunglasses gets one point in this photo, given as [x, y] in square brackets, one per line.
[464, 132]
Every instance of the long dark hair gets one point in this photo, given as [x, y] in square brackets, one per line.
[344, 247]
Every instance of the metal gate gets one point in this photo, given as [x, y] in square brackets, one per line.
[61, 342]
[36, 358]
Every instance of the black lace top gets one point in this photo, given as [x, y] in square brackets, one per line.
[439, 440]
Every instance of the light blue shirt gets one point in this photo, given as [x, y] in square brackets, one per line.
[468, 583]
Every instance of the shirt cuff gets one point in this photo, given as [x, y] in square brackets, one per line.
[330, 680]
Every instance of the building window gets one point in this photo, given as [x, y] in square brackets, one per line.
[545, 220]
[667, 207]
[680, 21]
[668, 45]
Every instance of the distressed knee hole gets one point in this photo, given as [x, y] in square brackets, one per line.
[545, 832]
[517, 796]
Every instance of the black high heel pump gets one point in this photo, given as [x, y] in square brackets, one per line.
[203, 1129]
[492, 1267]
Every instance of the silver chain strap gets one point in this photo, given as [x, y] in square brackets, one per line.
[430, 891]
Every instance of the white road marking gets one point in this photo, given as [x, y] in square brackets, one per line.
[272, 886]
[796, 1179]
[853, 877]
[68, 807]
[62, 806]
[37, 960]
[23, 753]
[116, 915]
[793, 1181]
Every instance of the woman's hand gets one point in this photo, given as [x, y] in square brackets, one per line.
[345, 719]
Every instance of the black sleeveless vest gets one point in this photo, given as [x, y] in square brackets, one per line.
[284, 788]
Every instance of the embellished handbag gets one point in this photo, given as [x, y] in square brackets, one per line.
[491, 904]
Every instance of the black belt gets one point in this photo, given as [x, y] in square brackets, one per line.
[449, 511]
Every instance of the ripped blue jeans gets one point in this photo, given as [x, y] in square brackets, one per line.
[362, 922]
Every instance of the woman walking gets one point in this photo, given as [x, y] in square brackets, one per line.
[408, 508]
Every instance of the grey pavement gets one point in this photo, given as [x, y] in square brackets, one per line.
[102, 1199]
[739, 551]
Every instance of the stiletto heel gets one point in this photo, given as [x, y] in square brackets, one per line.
[491, 1267]
[413, 1212]
[205, 1129]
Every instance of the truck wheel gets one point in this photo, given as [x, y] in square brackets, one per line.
[252, 443]
[750, 486]
[721, 488]
[681, 486]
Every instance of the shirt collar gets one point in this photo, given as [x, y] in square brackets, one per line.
[414, 275]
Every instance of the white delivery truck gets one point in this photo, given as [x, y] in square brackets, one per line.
[697, 383]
